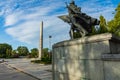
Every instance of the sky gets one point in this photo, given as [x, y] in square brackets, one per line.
[20, 19]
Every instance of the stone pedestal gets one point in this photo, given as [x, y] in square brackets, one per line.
[90, 58]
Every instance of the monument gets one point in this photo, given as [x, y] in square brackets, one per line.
[79, 21]
[94, 57]
[41, 41]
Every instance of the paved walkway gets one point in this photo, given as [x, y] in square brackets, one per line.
[7, 73]
[40, 71]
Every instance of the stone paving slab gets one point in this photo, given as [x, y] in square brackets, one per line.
[40, 71]
[8, 73]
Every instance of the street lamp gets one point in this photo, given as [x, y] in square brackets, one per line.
[50, 42]
[50, 46]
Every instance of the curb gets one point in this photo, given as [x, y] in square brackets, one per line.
[22, 71]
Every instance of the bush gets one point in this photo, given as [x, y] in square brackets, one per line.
[15, 56]
[43, 61]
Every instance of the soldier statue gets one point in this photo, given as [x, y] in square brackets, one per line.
[80, 22]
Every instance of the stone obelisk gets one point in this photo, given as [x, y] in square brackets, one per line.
[41, 41]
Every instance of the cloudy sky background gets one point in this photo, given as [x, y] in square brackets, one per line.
[20, 19]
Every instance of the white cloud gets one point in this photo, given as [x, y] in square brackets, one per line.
[35, 13]
[107, 13]
[18, 16]
[25, 26]
[25, 32]
[28, 30]
[11, 19]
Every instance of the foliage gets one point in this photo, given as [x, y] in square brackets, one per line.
[103, 25]
[43, 61]
[22, 50]
[8, 53]
[46, 58]
[117, 15]
[15, 54]
[5, 50]
[113, 26]
[45, 53]
[34, 53]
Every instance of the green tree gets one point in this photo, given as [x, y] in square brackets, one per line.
[8, 53]
[94, 30]
[46, 57]
[117, 14]
[15, 54]
[5, 50]
[45, 52]
[34, 52]
[117, 20]
[22, 50]
[114, 24]
[103, 25]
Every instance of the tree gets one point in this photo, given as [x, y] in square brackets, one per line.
[117, 20]
[117, 14]
[46, 58]
[45, 52]
[114, 24]
[22, 50]
[5, 50]
[34, 52]
[8, 53]
[103, 25]
[15, 54]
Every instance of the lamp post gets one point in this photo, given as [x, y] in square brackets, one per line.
[50, 48]
[50, 42]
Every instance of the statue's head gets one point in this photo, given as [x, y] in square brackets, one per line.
[72, 2]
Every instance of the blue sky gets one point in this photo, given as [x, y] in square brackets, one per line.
[20, 19]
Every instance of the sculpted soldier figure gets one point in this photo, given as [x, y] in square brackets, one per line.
[80, 22]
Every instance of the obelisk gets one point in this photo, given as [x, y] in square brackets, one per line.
[41, 41]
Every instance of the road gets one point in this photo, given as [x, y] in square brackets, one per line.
[7, 73]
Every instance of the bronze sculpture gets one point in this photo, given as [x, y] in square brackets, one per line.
[80, 22]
